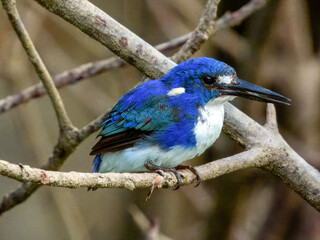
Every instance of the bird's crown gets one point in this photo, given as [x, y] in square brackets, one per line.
[203, 70]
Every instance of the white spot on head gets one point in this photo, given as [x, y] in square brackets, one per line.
[226, 79]
[176, 91]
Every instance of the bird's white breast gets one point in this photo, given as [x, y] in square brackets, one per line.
[209, 125]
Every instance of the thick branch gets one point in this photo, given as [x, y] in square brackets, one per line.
[296, 173]
[283, 160]
[241, 128]
[35, 59]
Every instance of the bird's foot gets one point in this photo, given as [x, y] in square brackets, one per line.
[193, 170]
[152, 167]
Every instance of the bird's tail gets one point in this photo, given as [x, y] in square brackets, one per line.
[96, 165]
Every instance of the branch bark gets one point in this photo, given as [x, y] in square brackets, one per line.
[130, 181]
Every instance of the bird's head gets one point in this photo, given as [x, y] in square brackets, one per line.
[218, 80]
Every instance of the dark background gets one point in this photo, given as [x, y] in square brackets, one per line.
[277, 47]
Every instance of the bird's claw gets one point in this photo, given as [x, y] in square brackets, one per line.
[193, 170]
[178, 177]
[160, 170]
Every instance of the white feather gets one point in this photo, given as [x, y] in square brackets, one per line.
[176, 91]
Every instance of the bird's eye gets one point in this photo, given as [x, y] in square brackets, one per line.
[207, 79]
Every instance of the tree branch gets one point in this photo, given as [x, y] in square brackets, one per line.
[35, 59]
[88, 70]
[130, 181]
[283, 160]
[60, 80]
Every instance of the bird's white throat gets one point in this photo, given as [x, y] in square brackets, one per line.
[209, 124]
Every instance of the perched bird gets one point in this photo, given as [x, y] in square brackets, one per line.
[164, 122]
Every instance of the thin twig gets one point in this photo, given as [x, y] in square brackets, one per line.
[204, 29]
[92, 126]
[207, 26]
[271, 118]
[35, 59]
[235, 18]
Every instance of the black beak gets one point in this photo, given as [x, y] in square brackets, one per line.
[251, 91]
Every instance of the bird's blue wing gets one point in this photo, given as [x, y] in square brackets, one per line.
[151, 115]
[138, 113]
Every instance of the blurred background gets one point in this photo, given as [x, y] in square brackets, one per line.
[277, 47]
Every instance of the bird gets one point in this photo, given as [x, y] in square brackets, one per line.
[161, 123]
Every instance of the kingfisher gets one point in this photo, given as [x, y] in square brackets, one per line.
[161, 123]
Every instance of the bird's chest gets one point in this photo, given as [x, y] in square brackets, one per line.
[208, 126]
